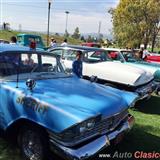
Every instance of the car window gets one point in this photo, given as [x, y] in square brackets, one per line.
[57, 52]
[50, 64]
[19, 39]
[70, 54]
[100, 55]
[22, 64]
[129, 56]
[114, 55]
[29, 59]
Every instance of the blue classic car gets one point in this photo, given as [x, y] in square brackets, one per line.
[46, 109]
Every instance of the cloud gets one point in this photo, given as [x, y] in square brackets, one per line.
[84, 16]
[86, 23]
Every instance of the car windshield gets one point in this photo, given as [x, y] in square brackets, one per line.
[131, 56]
[123, 55]
[88, 56]
[30, 65]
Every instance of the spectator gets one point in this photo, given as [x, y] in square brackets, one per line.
[141, 53]
[13, 40]
[53, 43]
[32, 44]
[77, 65]
[64, 43]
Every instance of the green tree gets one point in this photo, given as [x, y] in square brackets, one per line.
[136, 22]
[76, 33]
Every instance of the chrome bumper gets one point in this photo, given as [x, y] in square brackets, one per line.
[146, 91]
[92, 147]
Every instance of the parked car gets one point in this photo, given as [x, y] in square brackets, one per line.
[91, 44]
[153, 57]
[97, 63]
[148, 56]
[4, 41]
[46, 108]
[25, 40]
[128, 57]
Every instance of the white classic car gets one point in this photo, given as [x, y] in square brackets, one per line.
[117, 75]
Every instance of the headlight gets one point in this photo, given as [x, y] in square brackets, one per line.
[79, 129]
[88, 125]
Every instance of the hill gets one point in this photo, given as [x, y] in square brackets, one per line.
[7, 34]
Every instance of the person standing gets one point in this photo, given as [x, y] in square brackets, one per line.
[64, 43]
[32, 44]
[77, 65]
[53, 43]
[13, 40]
[141, 53]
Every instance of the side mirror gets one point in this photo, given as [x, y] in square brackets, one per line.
[93, 79]
[30, 83]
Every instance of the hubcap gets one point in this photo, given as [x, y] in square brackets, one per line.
[32, 145]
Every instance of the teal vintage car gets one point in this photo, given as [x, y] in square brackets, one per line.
[129, 57]
[25, 40]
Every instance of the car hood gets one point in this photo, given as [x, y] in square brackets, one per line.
[151, 67]
[121, 73]
[73, 100]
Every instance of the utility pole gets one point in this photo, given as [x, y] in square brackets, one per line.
[49, 8]
[99, 30]
[20, 27]
[66, 32]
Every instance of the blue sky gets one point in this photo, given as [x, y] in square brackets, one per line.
[32, 14]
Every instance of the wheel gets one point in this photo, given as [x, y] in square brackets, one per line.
[33, 143]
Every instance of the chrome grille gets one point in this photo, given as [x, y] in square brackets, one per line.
[102, 126]
[148, 88]
[105, 125]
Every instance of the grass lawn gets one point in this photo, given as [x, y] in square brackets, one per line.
[145, 135]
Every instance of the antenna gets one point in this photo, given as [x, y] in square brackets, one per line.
[18, 66]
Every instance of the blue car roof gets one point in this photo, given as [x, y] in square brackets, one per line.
[11, 47]
[79, 48]
[28, 35]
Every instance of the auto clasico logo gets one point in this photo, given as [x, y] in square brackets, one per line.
[128, 155]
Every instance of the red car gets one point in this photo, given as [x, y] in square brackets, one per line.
[153, 58]
[91, 44]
